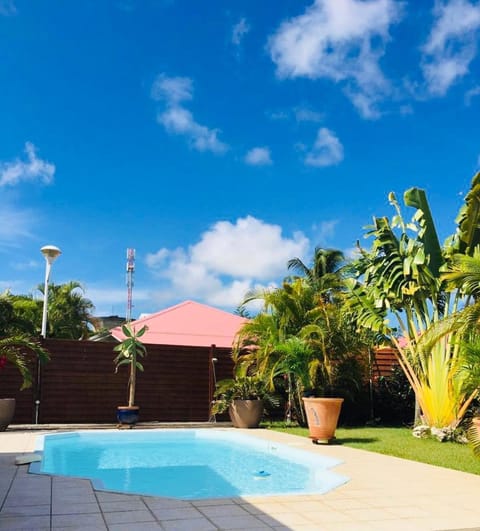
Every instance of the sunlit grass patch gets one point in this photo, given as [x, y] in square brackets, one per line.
[399, 442]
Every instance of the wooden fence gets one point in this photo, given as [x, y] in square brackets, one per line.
[385, 359]
[79, 385]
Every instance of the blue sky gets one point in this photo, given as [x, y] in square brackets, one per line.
[221, 139]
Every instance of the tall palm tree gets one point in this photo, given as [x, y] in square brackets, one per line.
[325, 273]
[69, 312]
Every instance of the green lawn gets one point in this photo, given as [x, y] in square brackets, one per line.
[399, 442]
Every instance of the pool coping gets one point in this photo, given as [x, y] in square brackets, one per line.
[384, 493]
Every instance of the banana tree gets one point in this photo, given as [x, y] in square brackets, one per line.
[129, 352]
[401, 277]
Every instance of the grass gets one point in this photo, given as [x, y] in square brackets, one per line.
[399, 442]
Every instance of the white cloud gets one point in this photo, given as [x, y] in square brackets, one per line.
[155, 260]
[172, 89]
[113, 301]
[304, 114]
[451, 45]
[7, 8]
[277, 115]
[326, 151]
[178, 120]
[325, 231]
[259, 156]
[24, 266]
[239, 31]
[15, 225]
[32, 169]
[299, 114]
[11, 285]
[340, 40]
[228, 260]
[406, 110]
[470, 94]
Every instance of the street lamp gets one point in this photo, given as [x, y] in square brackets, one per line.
[50, 252]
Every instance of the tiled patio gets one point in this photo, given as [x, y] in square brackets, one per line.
[383, 494]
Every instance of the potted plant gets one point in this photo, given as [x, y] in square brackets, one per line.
[129, 350]
[244, 397]
[15, 350]
[309, 383]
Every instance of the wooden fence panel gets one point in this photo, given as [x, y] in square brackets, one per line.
[385, 360]
[79, 385]
[10, 383]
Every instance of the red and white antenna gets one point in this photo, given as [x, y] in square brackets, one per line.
[130, 271]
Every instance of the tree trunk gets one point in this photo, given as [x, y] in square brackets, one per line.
[132, 381]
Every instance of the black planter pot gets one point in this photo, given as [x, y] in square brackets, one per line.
[128, 415]
[7, 410]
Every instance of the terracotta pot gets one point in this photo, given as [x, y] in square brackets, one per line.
[322, 417]
[128, 415]
[246, 413]
[7, 410]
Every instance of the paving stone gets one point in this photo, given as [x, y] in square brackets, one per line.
[75, 508]
[131, 517]
[194, 524]
[31, 523]
[122, 506]
[78, 521]
[27, 510]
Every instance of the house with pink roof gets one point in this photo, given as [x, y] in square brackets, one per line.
[189, 324]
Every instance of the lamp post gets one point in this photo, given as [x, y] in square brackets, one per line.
[51, 253]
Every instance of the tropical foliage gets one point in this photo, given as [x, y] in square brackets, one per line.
[241, 388]
[401, 276]
[129, 352]
[69, 312]
[473, 435]
[302, 336]
[325, 273]
[18, 351]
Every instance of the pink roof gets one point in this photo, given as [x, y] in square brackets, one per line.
[188, 324]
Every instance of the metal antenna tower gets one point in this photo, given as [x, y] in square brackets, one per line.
[130, 271]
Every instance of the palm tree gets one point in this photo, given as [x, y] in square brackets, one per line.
[298, 335]
[325, 274]
[16, 350]
[18, 315]
[69, 312]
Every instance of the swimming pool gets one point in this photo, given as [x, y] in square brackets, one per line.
[186, 463]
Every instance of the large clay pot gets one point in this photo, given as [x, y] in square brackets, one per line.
[128, 415]
[246, 413]
[322, 417]
[7, 410]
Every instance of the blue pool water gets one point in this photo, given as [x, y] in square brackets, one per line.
[186, 464]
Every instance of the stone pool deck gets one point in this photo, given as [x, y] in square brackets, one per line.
[384, 494]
